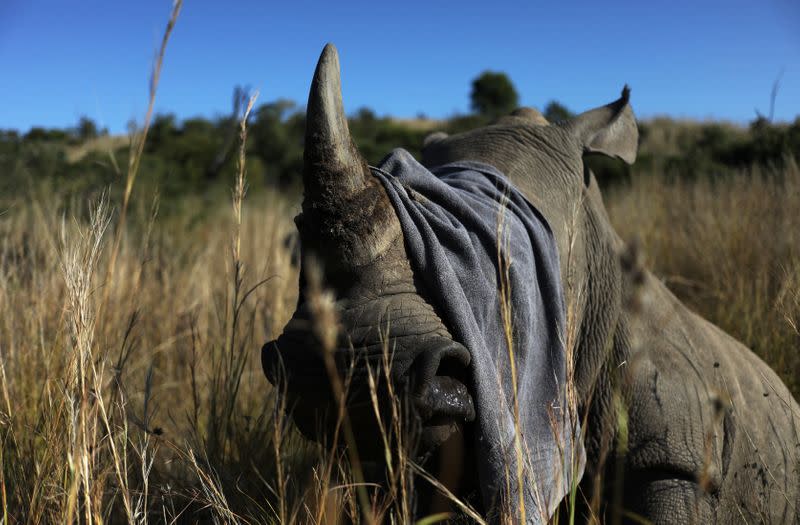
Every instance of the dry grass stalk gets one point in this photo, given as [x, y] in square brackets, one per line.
[504, 263]
[138, 140]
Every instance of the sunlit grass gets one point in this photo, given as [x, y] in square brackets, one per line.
[128, 413]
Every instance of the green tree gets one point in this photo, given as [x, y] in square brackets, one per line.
[493, 94]
[38, 133]
[276, 137]
[556, 111]
[86, 129]
[162, 131]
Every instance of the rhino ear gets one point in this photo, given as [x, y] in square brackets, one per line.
[610, 130]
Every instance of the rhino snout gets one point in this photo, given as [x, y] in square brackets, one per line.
[440, 384]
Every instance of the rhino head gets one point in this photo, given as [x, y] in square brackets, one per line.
[351, 241]
[349, 231]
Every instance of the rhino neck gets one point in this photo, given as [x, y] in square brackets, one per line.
[532, 158]
[599, 301]
[589, 256]
[588, 250]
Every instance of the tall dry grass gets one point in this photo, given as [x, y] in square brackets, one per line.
[95, 394]
[137, 395]
[125, 410]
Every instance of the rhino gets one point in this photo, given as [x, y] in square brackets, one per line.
[679, 422]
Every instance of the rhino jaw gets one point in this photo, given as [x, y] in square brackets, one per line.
[426, 370]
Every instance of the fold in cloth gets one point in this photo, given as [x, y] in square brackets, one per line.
[468, 230]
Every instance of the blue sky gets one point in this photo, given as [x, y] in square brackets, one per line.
[699, 59]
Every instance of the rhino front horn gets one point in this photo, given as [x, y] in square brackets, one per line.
[347, 218]
[333, 169]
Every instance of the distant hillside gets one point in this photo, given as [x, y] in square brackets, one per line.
[197, 156]
[101, 144]
[419, 124]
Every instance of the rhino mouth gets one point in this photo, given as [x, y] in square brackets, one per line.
[447, 399]
[429, 376]
[442, 401]
[442, 376]
[450, 406]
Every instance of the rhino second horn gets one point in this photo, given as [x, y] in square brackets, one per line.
[332, 166]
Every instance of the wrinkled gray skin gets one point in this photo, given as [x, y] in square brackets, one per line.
[712, 432]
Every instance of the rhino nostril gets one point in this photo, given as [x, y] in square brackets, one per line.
[442, 358]
[452, 366]
[454, 362]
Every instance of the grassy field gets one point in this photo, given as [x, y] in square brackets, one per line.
[130, 383]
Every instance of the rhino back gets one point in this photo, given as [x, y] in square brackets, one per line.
[709, 420]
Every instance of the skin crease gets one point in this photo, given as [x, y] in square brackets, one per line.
[712, 432]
